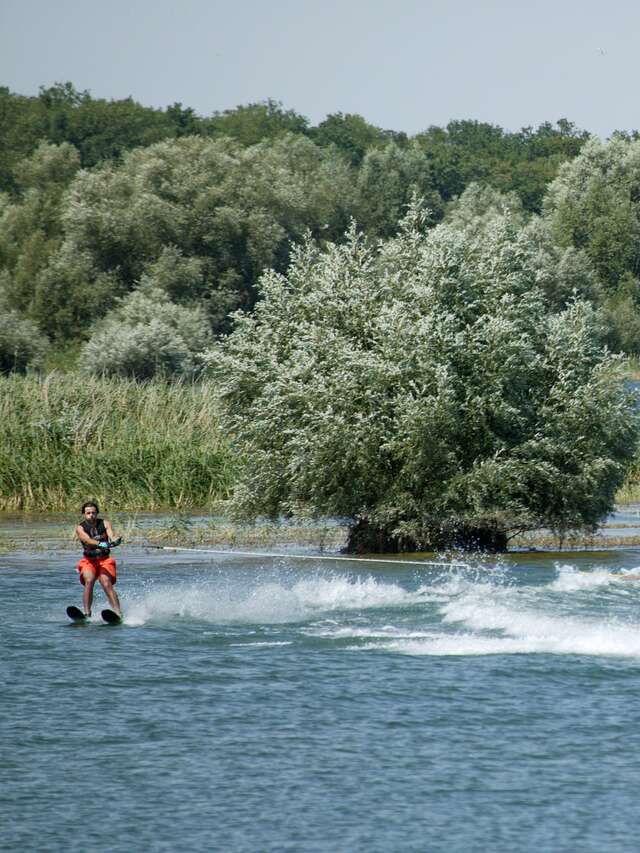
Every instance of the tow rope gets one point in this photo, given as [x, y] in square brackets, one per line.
[228, 553]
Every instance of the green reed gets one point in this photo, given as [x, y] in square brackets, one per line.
[65, 438]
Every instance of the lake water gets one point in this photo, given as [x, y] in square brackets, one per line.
[253, 704]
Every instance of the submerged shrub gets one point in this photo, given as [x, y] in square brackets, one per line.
[432, 389]
[147, 335]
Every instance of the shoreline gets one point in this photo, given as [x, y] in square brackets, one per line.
[40, 532]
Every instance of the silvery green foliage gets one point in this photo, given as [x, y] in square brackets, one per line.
[477, 207]
[423, 381]
[200, 217]
[30, 227]
[562, 271]
[147, 335]
[388, 179]
[48, 167]
[174, 273]
[22, 345]
[622, 308]
[594, 204]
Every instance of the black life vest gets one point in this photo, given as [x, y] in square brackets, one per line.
[96, 530]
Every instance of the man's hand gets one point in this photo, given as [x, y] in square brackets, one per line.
[115, 542]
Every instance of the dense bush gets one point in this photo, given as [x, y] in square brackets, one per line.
[146, 336]
[479, 205]
[31, 229]
[430, 390]
[594, 204]
[389, 177]
[22, 345]
[230, 210]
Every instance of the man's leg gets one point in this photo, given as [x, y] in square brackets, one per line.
[89, 580]
[110, 592]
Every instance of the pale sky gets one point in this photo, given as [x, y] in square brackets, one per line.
[401, 64]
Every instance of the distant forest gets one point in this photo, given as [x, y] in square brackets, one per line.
[462, 152]
[112, 212]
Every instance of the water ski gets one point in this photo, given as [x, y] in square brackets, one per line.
[111, 617]
[75, 614]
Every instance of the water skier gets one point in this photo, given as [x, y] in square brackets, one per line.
[97, 564]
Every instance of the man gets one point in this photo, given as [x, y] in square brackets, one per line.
[96, 535]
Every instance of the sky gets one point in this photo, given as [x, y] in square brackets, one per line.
[401, 64]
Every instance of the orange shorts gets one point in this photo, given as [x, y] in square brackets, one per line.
[98, 565]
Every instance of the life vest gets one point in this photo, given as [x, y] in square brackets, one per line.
[96, 530]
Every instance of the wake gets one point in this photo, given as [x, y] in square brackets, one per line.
[475, 611]
[265, 602]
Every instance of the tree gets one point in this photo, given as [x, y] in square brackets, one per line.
[594, 204]
[387, 180]
[623, 311]
[479, 205]
[207, 212]
[30, 223]
[563, 272]
[350, 134]
[97, 128]
[184, 120]
[524, 162]
[425, 390]
[21, 344]
[105, 130]
[255, 123]
[22, 126]
[147, 336]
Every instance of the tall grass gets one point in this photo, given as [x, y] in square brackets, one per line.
[66, 438]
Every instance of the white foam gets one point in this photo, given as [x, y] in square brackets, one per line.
[571, 579]
[616, 643]
[355, 633]
[492, 618]
[267, 602]
[500, 622]
[462, 613]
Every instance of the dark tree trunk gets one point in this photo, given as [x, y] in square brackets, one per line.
[367, 538]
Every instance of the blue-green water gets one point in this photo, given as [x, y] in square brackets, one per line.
[271, 705]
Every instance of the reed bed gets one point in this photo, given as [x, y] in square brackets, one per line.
[630, 492]
[132, 446]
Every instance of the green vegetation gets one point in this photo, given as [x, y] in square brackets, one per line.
[99, 130]
[196, 217]
[523, 162]
[594, 205]
[130, 445]
[103, 197]
[445, 376]
[148, 336]
[21, 343]
[447, 388]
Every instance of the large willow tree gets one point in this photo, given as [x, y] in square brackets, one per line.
[429, 390]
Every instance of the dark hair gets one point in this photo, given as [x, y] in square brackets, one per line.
[89, 503]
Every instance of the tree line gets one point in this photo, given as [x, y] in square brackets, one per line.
[104, 198]
[104, 130]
